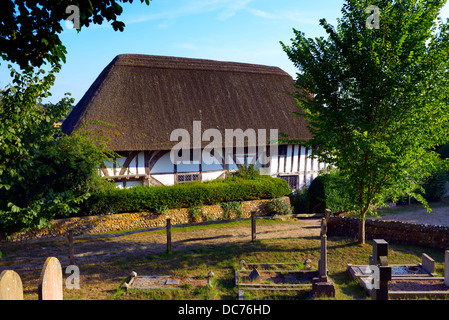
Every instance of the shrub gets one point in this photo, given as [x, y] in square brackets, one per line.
[326, 192]
[298, 200]
[195, 213]
[247, 172]
[278, 206]
[231, 207]
[186, 195]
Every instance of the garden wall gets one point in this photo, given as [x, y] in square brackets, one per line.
[139, 220]
[435, 236]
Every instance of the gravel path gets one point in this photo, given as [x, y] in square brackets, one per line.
[416, 213]
[31, 254]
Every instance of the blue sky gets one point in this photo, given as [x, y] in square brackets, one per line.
[226, 30]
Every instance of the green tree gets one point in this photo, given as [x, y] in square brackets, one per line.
[43, 173]
[29, 29]
[380, 96]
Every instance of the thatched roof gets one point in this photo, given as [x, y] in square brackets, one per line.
[147, 97]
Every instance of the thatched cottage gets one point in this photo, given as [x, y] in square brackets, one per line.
[149, 98]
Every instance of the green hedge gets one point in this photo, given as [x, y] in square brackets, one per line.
[160, 198]
[327, 192]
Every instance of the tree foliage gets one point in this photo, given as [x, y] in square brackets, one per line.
[29, 29]
[380, 96]
[43, 173]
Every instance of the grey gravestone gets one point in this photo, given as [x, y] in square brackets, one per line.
[254, 276]
[10, 286]
[384, 277]
[380, 248]
[428, 263]
[50, 281]
[323, 261]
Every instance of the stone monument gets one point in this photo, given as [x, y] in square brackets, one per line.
[50, 281]
[10, 286]
[322, 285]
[379, 260]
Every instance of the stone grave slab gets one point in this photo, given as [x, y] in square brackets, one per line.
[162, 282]
[10, 286]
[50, 281]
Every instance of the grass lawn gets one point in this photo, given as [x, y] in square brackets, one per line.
[103, 280]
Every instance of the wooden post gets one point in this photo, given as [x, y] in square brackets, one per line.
[71, 251]
[169, 236]
[253, 226]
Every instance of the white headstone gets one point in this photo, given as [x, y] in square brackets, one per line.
[10, 286]
[50, 281]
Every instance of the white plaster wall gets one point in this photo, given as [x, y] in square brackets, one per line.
[119, 185]
[211, 175]
[184, 168]
[274, 165]
[288, 159]
[163, 165]
[165, 179]
[281, 164]
[121, 162]
[109, 167]
[295, 158]
[302, 159]
[141, 163]
[132, 167]
[309, 161]
[210, 163]
[131, 184]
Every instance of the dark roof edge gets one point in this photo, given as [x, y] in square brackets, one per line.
[164, 62]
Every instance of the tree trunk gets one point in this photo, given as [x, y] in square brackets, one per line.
[362, 229]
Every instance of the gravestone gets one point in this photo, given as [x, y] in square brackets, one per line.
[384, 277]
[380, 249]
[322, 264]
[379, 258]
[428, 264]
[322, 285]
[254, 276]
[50, 281]
[10, 286]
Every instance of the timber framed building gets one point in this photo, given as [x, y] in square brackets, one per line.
[145, 98]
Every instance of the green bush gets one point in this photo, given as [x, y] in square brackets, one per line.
[298, 200]
[186, 195]
[327, 192]
[278, 206]
[232, 207]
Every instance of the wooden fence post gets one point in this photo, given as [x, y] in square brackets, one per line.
[169, 236]
[71, 250]
[253, 226]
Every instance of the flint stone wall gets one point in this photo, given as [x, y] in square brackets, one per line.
[139, 220]
[435, 236]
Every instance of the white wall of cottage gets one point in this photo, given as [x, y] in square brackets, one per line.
[295, 160]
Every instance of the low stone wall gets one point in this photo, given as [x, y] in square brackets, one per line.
[138, 220]
[435, 236]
